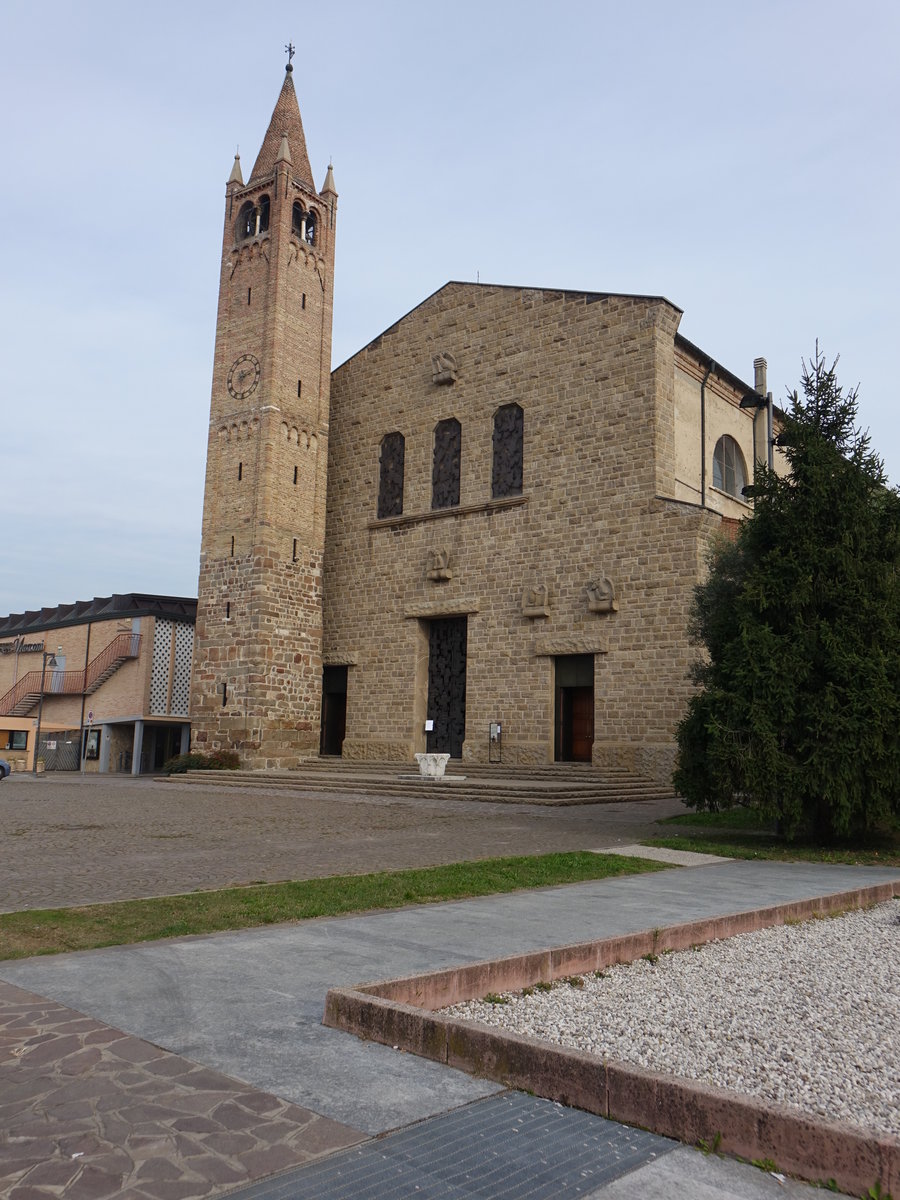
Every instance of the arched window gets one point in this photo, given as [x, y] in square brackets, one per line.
[298, 216]
[729, 471]
[311, 224]
[506, 475]
[446, 464]
[246, 222]
[253, 218]
[390, 476]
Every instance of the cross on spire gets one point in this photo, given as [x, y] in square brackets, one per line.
[290, 51]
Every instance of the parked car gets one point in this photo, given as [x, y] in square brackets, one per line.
[5, 768]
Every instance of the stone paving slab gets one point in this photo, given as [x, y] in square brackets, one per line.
[678, 858]
[87, 1111]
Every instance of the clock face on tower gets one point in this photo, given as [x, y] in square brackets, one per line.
[243, 376]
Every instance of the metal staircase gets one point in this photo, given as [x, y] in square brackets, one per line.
[25, 694]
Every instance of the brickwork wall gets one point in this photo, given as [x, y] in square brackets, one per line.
[595, 378]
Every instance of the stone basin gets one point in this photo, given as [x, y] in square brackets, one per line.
[432, 766]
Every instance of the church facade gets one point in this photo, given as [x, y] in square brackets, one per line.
[479, 535]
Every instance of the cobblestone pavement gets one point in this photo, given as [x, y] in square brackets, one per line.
[65, 840]
[88, 1112]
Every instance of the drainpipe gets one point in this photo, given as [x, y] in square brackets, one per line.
[87, 656]
[709, 370]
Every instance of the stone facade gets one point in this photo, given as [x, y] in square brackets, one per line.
[522, 488]
[597, 556]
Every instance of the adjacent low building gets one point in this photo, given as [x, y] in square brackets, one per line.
[101, 684]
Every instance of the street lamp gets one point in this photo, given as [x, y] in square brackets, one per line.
[47, 657]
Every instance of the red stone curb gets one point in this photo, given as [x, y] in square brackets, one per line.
[399, 1012]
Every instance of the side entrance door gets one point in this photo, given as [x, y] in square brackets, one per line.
[334, 710]
[447, 640]
[574, 707]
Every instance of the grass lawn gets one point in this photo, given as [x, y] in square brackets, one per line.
[54, 930]
[741, 833]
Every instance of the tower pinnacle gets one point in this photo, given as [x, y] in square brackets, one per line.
[285, 122]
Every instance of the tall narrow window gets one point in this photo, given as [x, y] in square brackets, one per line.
[295, 476]
[294, 551]
[311, 223]
[240, 471]
[232, 545]
[298, 220]
[506, 476]
[729, 472]
[390, 475]
[263, 214]
[446, 464]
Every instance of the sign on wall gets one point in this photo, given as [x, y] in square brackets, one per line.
[20, 646]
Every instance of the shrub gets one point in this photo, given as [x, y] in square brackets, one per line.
[219, 760]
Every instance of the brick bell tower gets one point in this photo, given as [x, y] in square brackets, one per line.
[257, 676]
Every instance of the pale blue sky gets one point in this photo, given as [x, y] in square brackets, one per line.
[739, 159]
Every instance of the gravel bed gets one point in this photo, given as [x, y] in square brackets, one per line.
[807, 1015]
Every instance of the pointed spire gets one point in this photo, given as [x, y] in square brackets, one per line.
[328, 185]
[284, 151]
[236, 176]
[285, 123]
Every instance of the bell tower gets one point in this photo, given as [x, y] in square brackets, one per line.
[257, 675]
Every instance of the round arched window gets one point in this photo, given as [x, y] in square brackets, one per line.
[729, 471]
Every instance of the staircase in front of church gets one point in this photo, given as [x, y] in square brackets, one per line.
[553, 784]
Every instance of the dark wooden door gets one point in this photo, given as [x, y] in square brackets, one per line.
[447, 639]
[574, 708]
[581, 723]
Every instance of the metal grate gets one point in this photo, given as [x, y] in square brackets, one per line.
[509, 1147]
[181, 684]
[159, 679]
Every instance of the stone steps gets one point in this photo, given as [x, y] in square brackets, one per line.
[556, 784]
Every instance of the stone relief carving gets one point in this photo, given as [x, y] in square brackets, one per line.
[439, 566]
[536, 601]
[443, 368]
[601, 596]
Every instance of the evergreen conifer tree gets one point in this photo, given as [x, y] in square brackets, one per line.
[798, 707]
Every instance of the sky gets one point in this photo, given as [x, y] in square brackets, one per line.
[739, 159]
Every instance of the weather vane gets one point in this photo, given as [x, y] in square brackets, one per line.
[290, 52]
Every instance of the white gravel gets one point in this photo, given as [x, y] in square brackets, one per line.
[807, 1015]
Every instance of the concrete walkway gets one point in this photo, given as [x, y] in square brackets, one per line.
[247, 1007]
